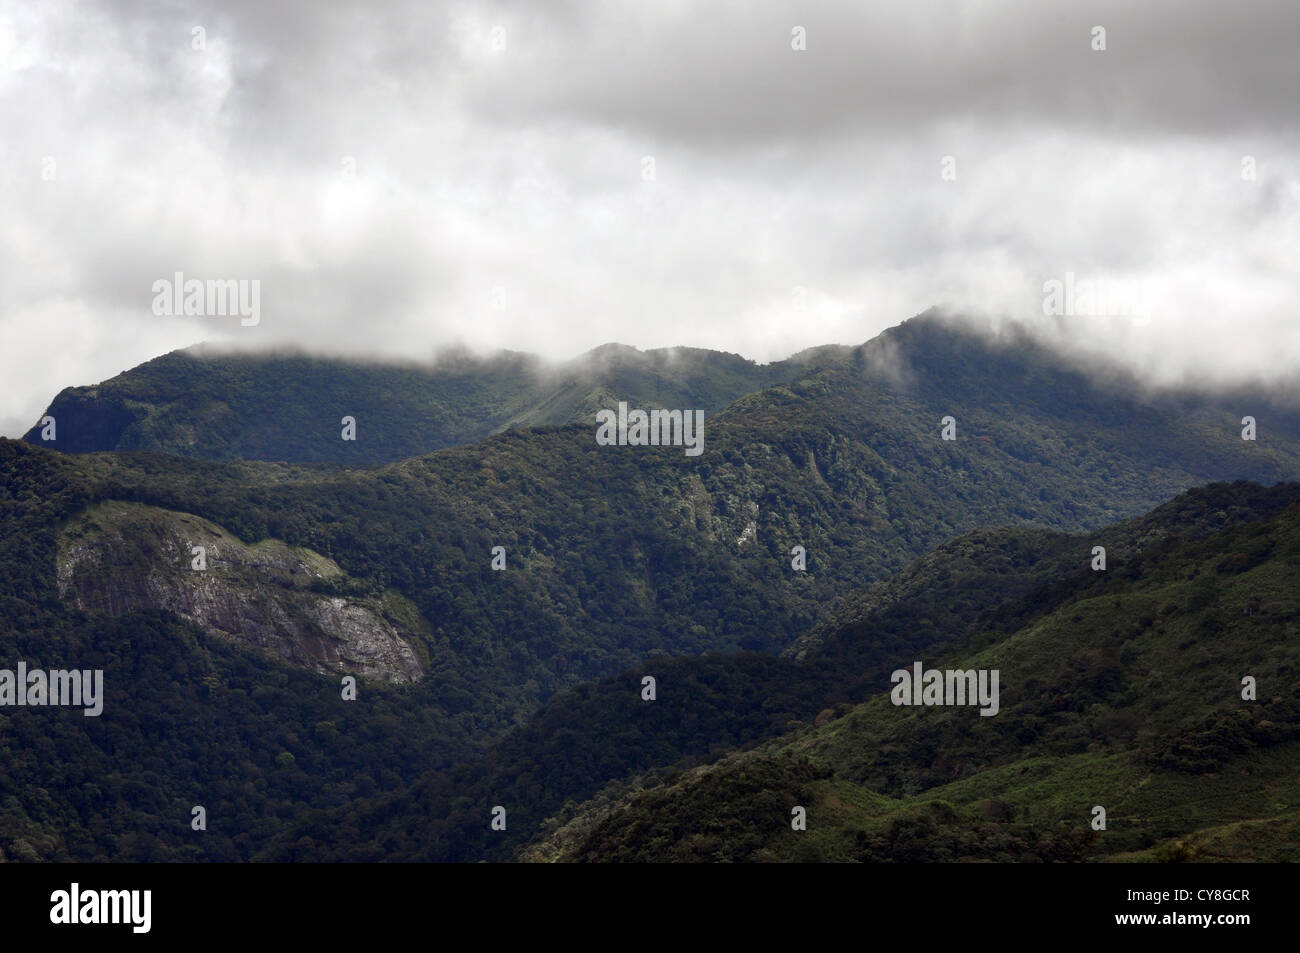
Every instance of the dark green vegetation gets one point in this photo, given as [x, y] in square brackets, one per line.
[615, 555]
[188, 720]
[954, 600]
[213, 406]
[1120, 689]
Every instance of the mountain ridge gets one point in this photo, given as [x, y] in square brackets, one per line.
[220, 405]
[614, 556]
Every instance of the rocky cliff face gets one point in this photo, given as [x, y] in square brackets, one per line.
[120, 557]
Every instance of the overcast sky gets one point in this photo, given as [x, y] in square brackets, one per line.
[550, 176]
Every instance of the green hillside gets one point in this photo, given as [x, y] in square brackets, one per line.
[615, 555]
[208, 405]
[588, 737]
[1125, 695]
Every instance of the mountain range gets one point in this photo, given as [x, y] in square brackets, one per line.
[326, 559]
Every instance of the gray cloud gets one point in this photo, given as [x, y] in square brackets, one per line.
[723, 72]
[403, 178]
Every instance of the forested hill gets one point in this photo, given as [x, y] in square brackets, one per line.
[612, 554]
[1192, 589]
[204, 404]
[1147, 712]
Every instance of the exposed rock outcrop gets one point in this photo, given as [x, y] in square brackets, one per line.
[120, 557]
